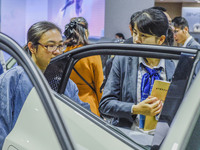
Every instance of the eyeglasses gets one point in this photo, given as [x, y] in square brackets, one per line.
[52, 48]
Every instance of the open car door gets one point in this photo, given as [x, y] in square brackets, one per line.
[42, 93]
[181, 81]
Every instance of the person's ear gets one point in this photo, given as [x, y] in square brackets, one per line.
[185, 30]
[161, 40]
[31, 47]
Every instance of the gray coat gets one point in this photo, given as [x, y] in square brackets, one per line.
[194, 45]
[120, 92]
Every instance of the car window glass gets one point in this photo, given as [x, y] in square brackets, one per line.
[78, 74]
[66, 63]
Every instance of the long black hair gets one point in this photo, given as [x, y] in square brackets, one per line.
[76, 32]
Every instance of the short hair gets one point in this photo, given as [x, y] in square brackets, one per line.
[159, 8]
[120, 35]
[133, 17]
[180, 22]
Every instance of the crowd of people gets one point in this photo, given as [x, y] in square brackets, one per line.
[128, 82]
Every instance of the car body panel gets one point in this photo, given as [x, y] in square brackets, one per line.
[32, 127]
[82, 131]
[30, 131]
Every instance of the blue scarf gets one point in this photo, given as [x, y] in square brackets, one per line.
[146, 87]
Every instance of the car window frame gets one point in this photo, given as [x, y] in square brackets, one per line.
[10, 46]
[118, 49]
[139, 50]
[184, 126]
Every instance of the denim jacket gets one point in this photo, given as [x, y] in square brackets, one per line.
[1, 68]
[15, 86]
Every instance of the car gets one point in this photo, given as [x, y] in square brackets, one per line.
[51, 120]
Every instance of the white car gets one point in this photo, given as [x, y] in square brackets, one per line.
[51, 121]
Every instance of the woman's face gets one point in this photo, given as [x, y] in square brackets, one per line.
[143, 38]
[40, 54]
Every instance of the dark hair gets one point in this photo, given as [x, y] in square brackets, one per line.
[120, 35]
[180, 22]
[37, 30]
[81, 20]
[75, 32]
[153, 22]
[170, 37]
[159, 8]
[133, 17]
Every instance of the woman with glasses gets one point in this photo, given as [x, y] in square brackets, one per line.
[88, 72]
[126, 93]
[44, 43]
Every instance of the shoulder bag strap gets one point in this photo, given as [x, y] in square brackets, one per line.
[84, 79]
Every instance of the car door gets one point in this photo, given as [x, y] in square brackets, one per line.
[41, 92]
[68, 60]
[39, 125]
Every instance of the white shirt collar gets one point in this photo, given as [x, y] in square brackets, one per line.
[161, 63]
[186, 42]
